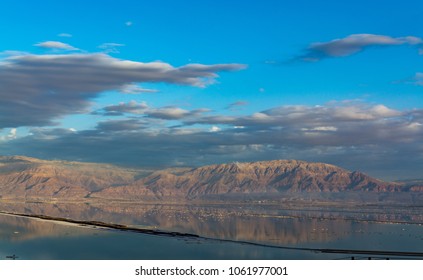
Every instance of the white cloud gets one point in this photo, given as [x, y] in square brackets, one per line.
[260, 117]
[321, 128]
[360, 113]
[383, 111]
[56, 45]
[12, 133]
[10, 136]
[415, 126]
[366, 139]
[374, 136]
[145, 111]
[168, 113]
[132, 107]
[36, 89]
[353, 44]
[135, 89]
[330, 117]
[129, 23]
[215, 128]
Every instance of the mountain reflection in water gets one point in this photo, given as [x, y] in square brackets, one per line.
[32, 238]
[273, 225]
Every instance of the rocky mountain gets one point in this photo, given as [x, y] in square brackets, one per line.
[280, 176]
[24, 177]
[413, 185]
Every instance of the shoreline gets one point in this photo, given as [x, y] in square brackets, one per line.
[349, 199]
[119, 227]
[305, 208]
[102, 225]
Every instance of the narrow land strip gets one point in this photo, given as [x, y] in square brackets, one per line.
[103, 225]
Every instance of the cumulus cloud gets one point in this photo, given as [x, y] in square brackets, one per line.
[12, 133]
[359, 113]
[43, 134]
[122, 125]
[135, 89]
[10, 136]
[321, 128]
[329, 125]
[131, 107]
[371, 138]
[353, 44]
[215, 129]
[173, 113]
[143, 110]
[168, 113]
[37, 89]
[316, 116]
[56, 46]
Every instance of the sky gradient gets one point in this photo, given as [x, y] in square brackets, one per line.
[188, 83]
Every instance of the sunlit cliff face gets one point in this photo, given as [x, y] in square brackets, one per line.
[29, 178]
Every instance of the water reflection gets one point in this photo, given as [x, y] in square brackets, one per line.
[17, 229]
[29, 238]
[372, 228]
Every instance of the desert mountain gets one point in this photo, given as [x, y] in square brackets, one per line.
[25, 177]
[249, 178]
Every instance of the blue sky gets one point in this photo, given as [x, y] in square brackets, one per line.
[186, 83]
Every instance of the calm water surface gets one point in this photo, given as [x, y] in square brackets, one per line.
[380, 229]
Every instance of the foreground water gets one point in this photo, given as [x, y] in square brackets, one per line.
[371, 228]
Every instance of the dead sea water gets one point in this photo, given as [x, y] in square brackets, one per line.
[372, 229]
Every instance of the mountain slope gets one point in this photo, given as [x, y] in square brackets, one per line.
[247, 178]
[23, 177]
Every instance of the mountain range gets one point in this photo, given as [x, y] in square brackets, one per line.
[29, 178]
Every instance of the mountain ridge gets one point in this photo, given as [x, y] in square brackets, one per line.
[25, 177]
